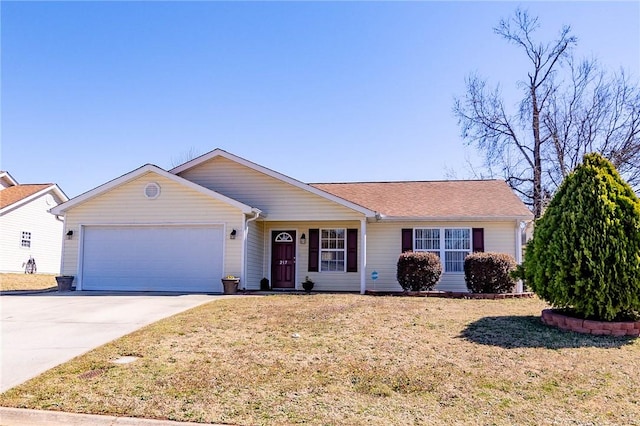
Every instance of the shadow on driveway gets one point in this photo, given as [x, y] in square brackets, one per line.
[529, 332]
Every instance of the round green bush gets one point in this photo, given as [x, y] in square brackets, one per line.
[489, 272]
[585, 251]
[418, 271]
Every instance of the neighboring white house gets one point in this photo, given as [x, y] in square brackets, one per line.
[27, 229]
[219, 214]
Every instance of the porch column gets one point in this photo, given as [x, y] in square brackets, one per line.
[519, 286]
[363, 256]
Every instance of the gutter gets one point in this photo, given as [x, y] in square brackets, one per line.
[383, 218]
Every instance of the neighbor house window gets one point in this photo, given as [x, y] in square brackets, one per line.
[26, 239]
[452, 245]
[332, 250]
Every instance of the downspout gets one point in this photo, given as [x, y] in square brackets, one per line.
[519, 286]
[64, 227]
[245, 234]
[363, 256]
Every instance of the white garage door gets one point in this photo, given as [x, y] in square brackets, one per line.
[150, 258]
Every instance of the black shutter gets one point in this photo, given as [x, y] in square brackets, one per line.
[407, 240]
[478, 239]
[352, 250]
[314, 249]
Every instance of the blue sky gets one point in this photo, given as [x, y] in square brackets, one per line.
[319, 91]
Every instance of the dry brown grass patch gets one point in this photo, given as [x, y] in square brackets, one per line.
[12, 282]
[348, 359]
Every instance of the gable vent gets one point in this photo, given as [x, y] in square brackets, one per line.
[152, 190]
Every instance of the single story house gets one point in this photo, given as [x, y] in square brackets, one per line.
[28, 230]
[217, 215]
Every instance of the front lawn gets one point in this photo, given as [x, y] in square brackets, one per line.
[350, 359]
[11, 282]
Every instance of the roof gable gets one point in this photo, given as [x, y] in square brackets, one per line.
[6, 180]
[279, 176]
[139, 172]
[17, 195]
[466, 199]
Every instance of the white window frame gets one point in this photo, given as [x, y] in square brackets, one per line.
[442, 250]
[330, 250]
[25, 240]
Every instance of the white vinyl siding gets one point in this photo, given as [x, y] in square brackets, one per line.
[45, 242]
[384, 245]
[280, 201]
[255, 255]
[176, 205]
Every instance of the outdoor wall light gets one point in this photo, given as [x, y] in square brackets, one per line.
[233, 234]
[69, 235]
[303, 239]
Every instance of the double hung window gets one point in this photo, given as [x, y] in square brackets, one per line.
[332, 250]
[452, 245]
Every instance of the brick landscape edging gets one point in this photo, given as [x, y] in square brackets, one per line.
[451, 294]
[556, 319]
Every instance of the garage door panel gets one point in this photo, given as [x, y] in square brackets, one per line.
[153, 258]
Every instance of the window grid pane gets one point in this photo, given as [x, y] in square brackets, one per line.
[427, 239]
[457, 239]
[332, 250]
[454, 261]
[26, 239]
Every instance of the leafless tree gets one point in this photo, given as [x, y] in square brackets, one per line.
[185, 156]
[566, 110]
[595, 112]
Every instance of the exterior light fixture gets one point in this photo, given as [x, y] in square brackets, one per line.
[69, 234]
[303, 239]
[233, 234]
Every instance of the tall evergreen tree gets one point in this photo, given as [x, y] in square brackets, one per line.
[585, 253]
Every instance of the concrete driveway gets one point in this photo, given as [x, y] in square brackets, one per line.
[40, 331]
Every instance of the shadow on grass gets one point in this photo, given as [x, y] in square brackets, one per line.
[529, 332]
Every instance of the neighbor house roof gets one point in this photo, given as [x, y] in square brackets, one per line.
[6, 177]
[16, 193]
[446, 200]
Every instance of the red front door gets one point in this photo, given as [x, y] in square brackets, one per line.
[283, 259]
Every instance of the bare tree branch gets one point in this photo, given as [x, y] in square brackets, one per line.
[568, 108]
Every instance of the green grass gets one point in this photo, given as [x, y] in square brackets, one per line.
[349, 359]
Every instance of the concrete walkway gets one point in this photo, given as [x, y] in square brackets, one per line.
[21, 417]
[40, 331]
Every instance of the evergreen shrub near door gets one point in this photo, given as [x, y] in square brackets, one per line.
[489, 272]
[418, 271]
[585, 252]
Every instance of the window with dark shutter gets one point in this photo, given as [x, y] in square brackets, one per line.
[407, 240]
[352, 250]
[478, 239]
[314, 249]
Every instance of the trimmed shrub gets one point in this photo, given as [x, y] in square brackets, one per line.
[418, 271]
[489, 272]
[585, 252]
